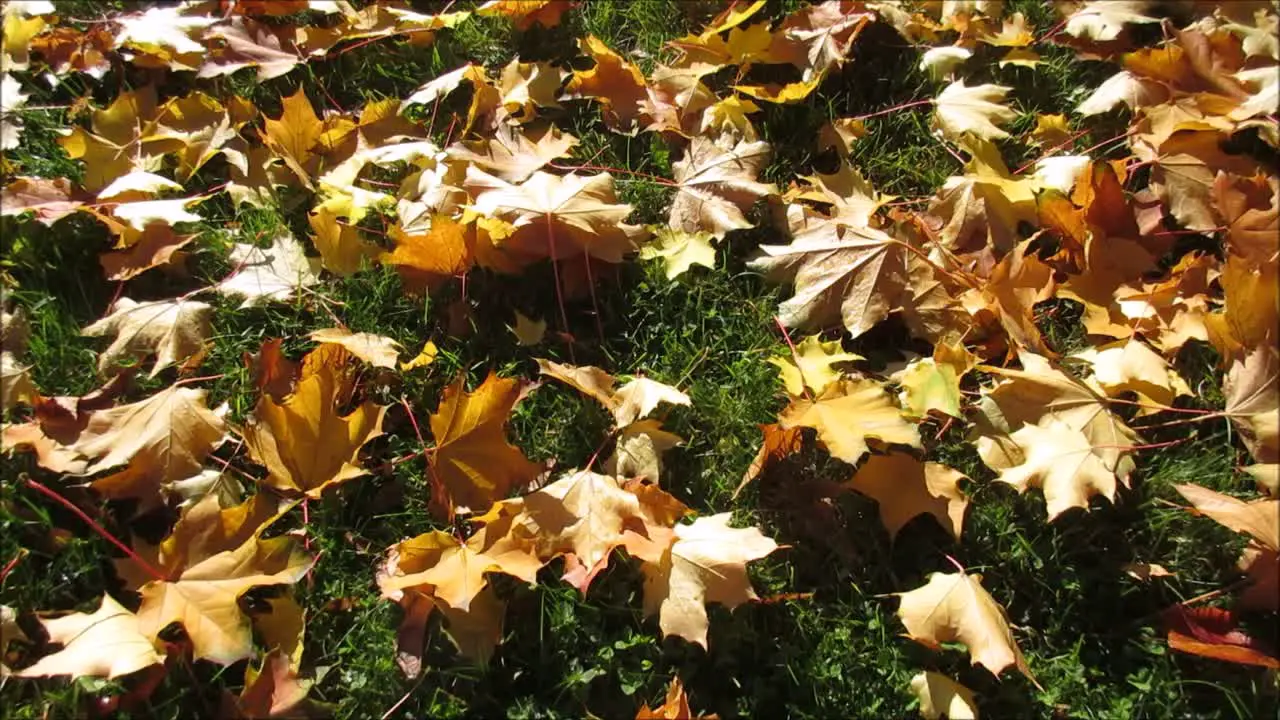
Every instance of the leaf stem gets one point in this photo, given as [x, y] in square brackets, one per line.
[148, 567]
[795, 356]
[895, 108]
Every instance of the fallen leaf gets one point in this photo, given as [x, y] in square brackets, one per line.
[376, 350]
[1260, 520]
[904, 488]
[269, 274]
[529, 332]
[676, 704]
[975, 110]
[172, 330]
[273, 690]
[846, 414]
[473, 465]
[422, 359]
[707, 562]
[810, 366]
[304, 443]
[105, 643]
[680, 250]
[778, 443]
[954, 607]
[940, 696]
[1214, 633]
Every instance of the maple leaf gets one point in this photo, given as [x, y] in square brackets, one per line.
[269, 274]
[273, 690]
[817, 38]
[304, 443]
[1132, 366]
[846, 414]
[1061, 460]
[716, 184]
[975, 110]
[778, 443]
[934, 383]
[954, 607]
[528, 331]
[162, 28]
[514, 154]
[158, 246]
[942, 61]
[1214, 633]
[675, 705]
[50, 199]
[1104, 20]
[632, 401]
[615, 83]
[940, 696]
[376, 350]
[1253, 401]
[211, 558]
[473, 465]
[172, 330]
[15, 379]
[556, 217]
[524, 14]
[680, 250]
[904, 488]
[250, 44]
[294, 134]
[638, 450]
[706, 562]
[841, 273]
[1260, 520]
[445, 249]
[105, 643]
[453, 573]
[583, 513]
[811, 365]
[1041, 393]
[163, 438]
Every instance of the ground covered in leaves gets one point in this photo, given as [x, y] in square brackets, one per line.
[639, 359]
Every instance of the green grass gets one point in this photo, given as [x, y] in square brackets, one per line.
[1090, 633]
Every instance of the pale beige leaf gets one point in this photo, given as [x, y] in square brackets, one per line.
[274, 273]
[106, 643]
[172, 330]
[940, 696]
[376, 350]
[706, 563]
[954, 607]
[975, 110]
